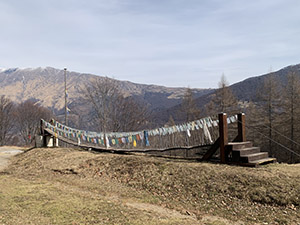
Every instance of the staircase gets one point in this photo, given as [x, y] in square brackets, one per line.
[244, 154]
[239, 152]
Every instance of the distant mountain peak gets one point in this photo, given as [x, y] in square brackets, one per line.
[8, 70]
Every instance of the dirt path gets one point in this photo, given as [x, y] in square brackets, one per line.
[6, 153]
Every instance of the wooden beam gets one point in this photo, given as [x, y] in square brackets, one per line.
[241, 128]
[223, 130]
[42, 128]
[210, 152]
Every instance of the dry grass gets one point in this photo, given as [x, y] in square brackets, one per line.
[66, 186]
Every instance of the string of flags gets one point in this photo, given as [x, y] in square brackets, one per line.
[115, 138]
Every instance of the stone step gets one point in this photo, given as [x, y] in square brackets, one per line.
[254, 157]
[238, 145]
[236, 154]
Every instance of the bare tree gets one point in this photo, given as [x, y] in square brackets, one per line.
[223, 99]
[291, 105]
[104, 95]
[113, 111]
[130, 115]
[27, 119]
[6, 119]
[256, 127]
[189, 110]
[269, 101]
[171, 121]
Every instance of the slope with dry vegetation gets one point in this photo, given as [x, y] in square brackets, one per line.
[68, 186]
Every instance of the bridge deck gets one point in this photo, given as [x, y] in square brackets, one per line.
[110, 149]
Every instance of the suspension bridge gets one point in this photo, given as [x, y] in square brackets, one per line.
[209, 133]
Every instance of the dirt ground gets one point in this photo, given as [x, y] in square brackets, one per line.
[69, 186]
[6, 153]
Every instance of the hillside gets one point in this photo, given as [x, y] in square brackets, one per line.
[245, 90]
[46, 85]
[68, 186]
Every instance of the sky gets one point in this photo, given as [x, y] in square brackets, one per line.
[176, 43]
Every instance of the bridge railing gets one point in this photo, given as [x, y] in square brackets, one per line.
[201, 132]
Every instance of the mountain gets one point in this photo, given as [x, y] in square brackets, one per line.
[245, 90]
[46, 86]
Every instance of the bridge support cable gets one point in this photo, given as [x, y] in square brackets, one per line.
[282, 135]
[276, 142]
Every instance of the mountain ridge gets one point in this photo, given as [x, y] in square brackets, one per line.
[245, 90]
[46, 85]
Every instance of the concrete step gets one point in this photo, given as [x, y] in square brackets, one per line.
[254, 157]
[238, 145]
[236, 154]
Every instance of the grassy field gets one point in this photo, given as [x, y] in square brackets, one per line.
[68, 186]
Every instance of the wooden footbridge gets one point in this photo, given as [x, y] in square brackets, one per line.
[210, 134]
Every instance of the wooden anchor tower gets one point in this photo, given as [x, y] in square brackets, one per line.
[239, 151]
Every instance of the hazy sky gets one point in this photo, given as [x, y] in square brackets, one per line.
[167, 42]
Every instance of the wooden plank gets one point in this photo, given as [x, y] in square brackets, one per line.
[223, 130]
[41, 127]
[241, 128]
[263, 161]
[255, 164]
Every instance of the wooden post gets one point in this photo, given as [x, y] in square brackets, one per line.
[42, 127]
[241, 128]
[44, 142]
[223, 130]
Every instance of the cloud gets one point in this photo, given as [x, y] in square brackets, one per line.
[168, 42]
